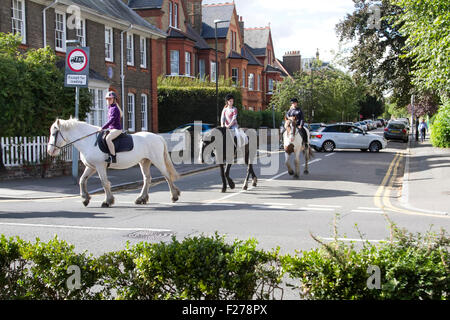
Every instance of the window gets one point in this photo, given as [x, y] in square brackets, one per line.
[143, 52]
[251, 82]
[173, 14]
[174, 62]
[243, 78]
[18, 19]
[187, 63]
[144, 112]
[170, 14]
[201, 69]
[81, 33]
[60, 31]
[130, 49]
[109, 46]
[98, 114]
[130, 109]
[235, 76]
[233, 41]
[259, 82]
[270, 89]
[213, 72]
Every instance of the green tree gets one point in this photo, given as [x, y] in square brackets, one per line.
[427, 27]
[376, 56]
[325, 95]
[32, 94]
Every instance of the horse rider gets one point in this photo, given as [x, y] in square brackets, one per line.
[114, 124]
[295, 114]
[228, 119]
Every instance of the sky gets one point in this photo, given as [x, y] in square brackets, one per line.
[297, 25]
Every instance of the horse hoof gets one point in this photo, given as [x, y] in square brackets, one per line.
[85, 203]
[232, 185]
[224, 190]
[254, 182]
[296, 176]
[105, 205]
[174, 199]
[306, 172]
[244, 188]
[291, 172]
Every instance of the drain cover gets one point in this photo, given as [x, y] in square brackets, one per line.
[150, 235]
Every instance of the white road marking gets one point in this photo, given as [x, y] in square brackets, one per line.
[323, 206]
[355, 240]
[316, 209]
[328, 155]
[80, 227]
[369, 208]
[367, 211]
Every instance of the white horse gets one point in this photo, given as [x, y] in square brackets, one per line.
[149, 149]
[293, 143]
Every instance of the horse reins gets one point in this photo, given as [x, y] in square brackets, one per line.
[68, 143]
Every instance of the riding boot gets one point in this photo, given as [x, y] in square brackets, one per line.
[304, 135]
[111, 159]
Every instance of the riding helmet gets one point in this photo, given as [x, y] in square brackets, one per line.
[294, 100]
[229, 97]
[111, 94]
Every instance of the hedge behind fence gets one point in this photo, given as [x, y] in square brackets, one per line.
[178, 105]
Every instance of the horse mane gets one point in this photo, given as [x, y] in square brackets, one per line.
[70, 123]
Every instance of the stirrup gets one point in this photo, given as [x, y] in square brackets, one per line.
[111, 159]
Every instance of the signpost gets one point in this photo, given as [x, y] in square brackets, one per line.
[76, 76]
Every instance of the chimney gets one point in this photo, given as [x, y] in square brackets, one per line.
[241, 26]
[194, 11]
[292, 61]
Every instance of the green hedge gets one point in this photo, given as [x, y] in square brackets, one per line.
[180, 105]
[411, 267]
[440, 129]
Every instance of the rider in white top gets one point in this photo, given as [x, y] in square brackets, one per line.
[228, 119]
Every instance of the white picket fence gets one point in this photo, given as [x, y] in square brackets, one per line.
[17, 151]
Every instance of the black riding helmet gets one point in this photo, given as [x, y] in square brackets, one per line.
[294, 100]
[229, 97]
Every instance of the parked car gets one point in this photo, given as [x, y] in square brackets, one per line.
[396, 130]
[340, 136]
[190, 127]
[316, 126]
[362, 125]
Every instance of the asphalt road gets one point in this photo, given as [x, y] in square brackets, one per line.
[361, 187]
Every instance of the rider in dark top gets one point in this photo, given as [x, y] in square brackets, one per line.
[296, 112]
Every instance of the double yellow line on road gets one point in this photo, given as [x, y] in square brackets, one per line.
[382, 197]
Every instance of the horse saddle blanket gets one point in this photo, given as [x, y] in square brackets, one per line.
[122, 143]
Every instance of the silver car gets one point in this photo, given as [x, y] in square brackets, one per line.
[340, 136]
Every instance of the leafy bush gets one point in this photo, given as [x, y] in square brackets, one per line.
[440, 128]
[32, 90]
[411, 267]
[196, 268]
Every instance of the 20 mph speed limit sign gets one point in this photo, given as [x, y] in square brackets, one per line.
[77, 67]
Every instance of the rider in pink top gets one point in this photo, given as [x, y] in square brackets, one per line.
[229, 114]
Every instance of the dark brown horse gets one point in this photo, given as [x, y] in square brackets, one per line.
[220, 146]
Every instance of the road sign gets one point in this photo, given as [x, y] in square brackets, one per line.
[77, 67]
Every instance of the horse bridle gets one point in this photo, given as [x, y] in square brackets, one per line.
[67, 143]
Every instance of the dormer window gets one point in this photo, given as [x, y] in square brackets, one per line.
[173, 14]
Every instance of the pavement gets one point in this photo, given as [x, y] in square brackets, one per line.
[64, 186]
[426, 181]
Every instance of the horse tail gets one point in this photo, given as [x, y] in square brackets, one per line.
[173, 174]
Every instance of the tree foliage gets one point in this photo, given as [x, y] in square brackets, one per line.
[427, 27]
[379, 46]
[32, 93]
[325, 95]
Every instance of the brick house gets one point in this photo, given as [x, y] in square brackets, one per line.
[112, 31]
[189, 49]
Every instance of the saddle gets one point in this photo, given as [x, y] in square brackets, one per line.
[122, 143]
